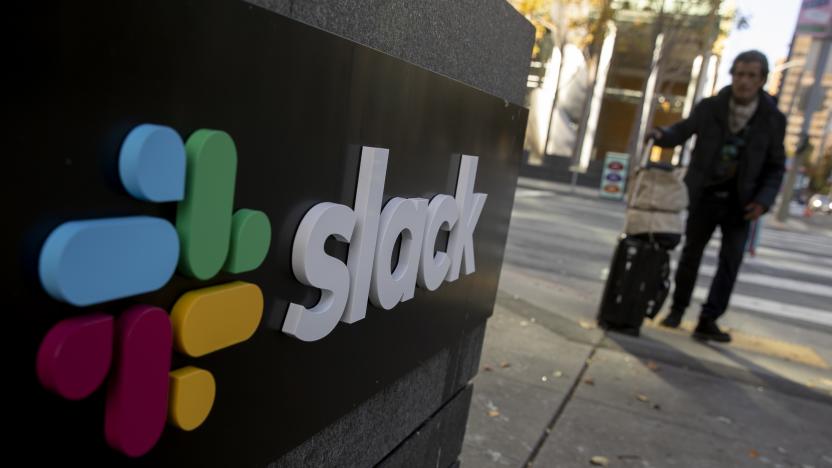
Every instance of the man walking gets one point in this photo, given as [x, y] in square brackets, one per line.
[733, 178]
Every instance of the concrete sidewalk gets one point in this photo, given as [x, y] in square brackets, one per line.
[553, 392]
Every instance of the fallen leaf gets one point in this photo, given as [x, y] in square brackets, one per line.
[493, 413]
[641, 397]
[586, 325]
[598, 460]
[753, 453]
[487, 368]
[652, 365]
[505, 364]
[589, 381]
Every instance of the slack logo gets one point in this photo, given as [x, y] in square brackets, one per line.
[91, 261]
[88, 262]
[372, 234]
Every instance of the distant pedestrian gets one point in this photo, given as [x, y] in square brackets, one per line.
[733, 178]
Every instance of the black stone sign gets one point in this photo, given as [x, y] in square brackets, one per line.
[299, 103]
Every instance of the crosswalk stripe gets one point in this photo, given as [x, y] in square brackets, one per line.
[804, 246]
[785, 284]
[777, 309]
[818, 245]
[813, 236]
[763, 251]
[772, 252]
[531, 193]
[788, 265]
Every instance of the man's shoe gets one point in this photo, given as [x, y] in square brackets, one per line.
[673, 319]
[708, 331]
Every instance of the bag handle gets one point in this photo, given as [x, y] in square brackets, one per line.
[645, 153]
[642, 163]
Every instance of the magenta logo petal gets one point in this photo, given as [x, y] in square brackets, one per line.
[137, 394]
[74, 357]
[86, 262]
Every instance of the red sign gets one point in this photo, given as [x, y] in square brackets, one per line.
[815, 18]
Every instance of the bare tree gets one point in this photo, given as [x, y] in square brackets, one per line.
[685, 25]
[578, 23]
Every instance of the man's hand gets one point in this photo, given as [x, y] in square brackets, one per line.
[653, 134]
[753, 211]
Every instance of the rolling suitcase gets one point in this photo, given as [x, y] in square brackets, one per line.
[639, 276]
[637, 285]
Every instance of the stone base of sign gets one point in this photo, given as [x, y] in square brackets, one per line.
[416, 421]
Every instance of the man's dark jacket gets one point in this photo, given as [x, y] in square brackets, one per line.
[762, 163]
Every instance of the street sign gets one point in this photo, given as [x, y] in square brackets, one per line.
[815, 18]
[614, 176]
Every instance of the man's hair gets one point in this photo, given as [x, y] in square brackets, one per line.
[752, 56]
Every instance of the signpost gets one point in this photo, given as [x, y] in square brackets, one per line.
[815, 20]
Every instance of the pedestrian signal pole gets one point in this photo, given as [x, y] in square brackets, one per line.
[813, 103]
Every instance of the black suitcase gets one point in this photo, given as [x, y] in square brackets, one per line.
[637, 285]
